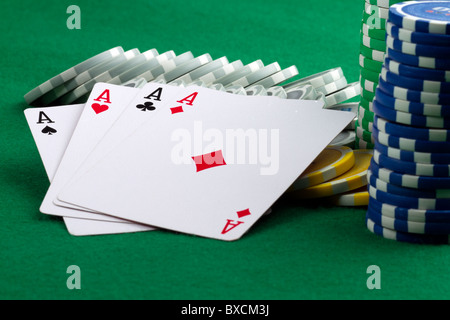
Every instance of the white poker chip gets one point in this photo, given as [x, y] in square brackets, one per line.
[218, 87]
[198, 83]
[319, 79]
[350, 91]
[61, 78]
[178, 83]
[135, 83]
[221, 72]
[102, 67]
[131, 58]
[161, 81]
[203, 70]
[152, 69]
[239, 73]
[277, 91]
[345, 138]
[333, 86]
[304, 92]
[84, 89]
[185, 68]
[279, 77]
[256, 90]
[256, 76]
[106, 76]
[237, 89]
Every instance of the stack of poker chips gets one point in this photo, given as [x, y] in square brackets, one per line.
[338, 176]
[409, 175]
[134, 68]
[371, 57]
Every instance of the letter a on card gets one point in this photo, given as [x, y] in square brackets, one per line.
[104, 97]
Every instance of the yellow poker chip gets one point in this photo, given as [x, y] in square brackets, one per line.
[353, 179]
[330, 163]
[353, 198]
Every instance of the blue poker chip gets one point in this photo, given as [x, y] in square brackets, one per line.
[408, 202]
[400, 130]
[432, 110]
[414, 83]
[433, 216]
[408, 226]
[416, 72]
[409, 144]
[410, 119]
[418, 61]
[402, 191]
[414, 95]
[422, 16]
[423, 50]
[404, 236]
[409, 181]
[416, 37]
[413, 168]
[421, 157]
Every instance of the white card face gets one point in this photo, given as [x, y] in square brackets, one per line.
[129, 121]
[103, 107]
[51, 145]
[210, 164]
[52, 128]
[85, 227]
[150, 99]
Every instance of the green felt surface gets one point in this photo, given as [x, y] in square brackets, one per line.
[299, 251]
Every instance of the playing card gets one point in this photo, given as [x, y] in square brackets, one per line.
[150, 99]
[153, 94]
[52, 128]
[210, 164]
[103, 107]
[89, 227]
[51, 149]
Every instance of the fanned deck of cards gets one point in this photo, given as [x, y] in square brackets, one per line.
[175, 156]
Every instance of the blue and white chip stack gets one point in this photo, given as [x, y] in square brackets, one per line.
[409, 176]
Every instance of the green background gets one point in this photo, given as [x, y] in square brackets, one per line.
[299, 251]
